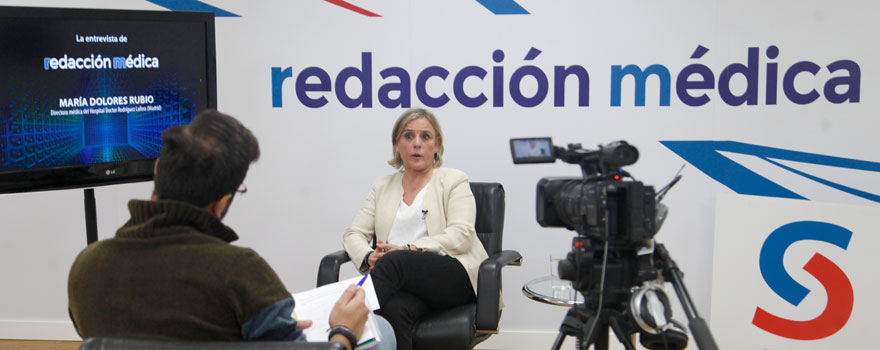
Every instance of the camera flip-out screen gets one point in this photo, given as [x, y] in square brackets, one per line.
[532, 150]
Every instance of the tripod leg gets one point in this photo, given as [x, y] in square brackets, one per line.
[601, 338]
[571, 325]
[593, 331]
[624, 338]
[559, 339]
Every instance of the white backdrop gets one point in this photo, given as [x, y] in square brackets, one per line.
[318, 163]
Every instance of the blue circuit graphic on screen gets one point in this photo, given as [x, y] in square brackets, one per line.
[36, 140]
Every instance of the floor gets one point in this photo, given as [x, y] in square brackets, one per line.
[38, 345]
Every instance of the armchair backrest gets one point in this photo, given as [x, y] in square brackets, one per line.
[489, 197]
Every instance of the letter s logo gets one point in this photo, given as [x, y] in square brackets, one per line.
[840, 293]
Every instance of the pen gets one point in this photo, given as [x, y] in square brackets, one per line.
[361, 283]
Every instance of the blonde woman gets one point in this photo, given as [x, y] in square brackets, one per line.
[427, 253]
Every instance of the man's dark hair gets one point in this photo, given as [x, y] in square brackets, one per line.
[204, 160]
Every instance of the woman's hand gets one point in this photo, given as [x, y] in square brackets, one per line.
[382, 248]
[388, 247]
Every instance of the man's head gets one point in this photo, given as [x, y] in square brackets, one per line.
[205, 160]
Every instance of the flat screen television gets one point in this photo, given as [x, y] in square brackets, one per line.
[85, 94]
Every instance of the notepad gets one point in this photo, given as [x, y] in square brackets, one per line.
[316, 304]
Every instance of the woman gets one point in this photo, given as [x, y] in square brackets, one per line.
[427, 253]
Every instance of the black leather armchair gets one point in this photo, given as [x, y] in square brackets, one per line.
[467, 325]
[123, 343]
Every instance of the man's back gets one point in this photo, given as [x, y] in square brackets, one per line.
[170, 273]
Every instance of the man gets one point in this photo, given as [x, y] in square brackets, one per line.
[170, 271]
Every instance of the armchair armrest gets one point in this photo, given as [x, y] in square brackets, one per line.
[489, 288]
[328, 271]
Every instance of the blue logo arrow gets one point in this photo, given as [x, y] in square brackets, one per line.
[192, 5]
[503, 7]
[705, 156]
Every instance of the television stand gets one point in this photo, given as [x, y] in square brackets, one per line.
[91, 215]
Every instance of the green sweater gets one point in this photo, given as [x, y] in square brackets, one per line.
[170, 272]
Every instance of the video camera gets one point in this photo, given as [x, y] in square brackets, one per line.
[578, 203]
[614, 262]
[601, 207]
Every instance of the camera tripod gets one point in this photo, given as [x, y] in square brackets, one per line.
[579, 321]
[590, 323]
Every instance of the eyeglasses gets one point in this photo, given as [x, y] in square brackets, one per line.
[242, 189]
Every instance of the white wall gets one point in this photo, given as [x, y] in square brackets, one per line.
[318, 163]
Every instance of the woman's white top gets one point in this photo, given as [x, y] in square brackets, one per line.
[409, 223]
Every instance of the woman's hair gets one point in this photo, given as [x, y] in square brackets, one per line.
[400, 124]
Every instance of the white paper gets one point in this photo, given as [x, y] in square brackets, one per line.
[316, 304]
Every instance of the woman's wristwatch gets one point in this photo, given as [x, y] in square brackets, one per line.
[365, 265]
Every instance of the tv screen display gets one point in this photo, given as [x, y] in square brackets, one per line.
[85, 94]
